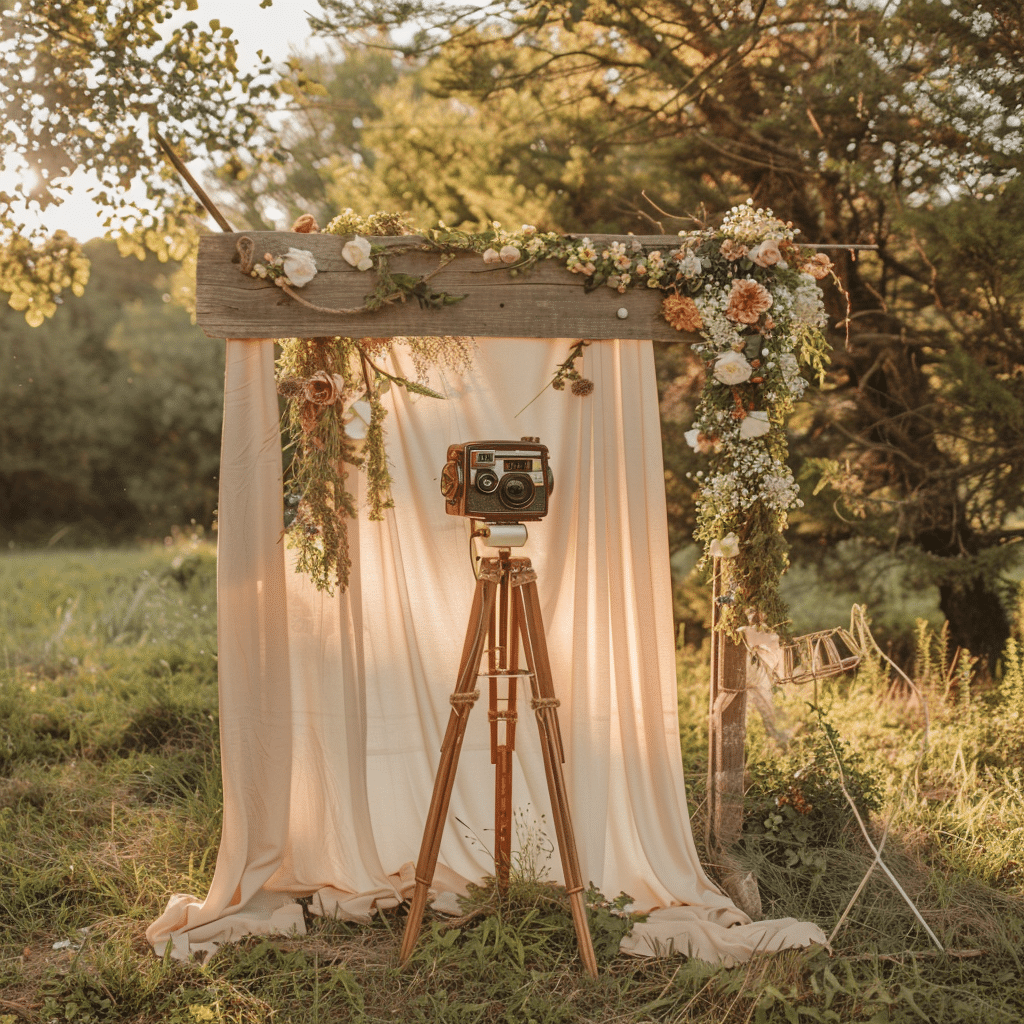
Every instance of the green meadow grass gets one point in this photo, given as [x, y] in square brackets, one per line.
[110, 801]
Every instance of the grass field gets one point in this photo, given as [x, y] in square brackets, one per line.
[110, 802]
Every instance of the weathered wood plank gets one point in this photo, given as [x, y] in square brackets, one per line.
[545, 302]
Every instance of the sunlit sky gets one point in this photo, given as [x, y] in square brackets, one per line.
[276, 31]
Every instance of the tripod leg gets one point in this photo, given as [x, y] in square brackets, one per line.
[527, 607]
[462, 701]
[503, 737]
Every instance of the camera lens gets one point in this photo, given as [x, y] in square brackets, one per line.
[516, 490]
[486, 481]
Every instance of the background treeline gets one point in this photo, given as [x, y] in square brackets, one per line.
[898, 125]
[111, 412]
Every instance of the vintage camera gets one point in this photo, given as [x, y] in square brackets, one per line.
[498, 481]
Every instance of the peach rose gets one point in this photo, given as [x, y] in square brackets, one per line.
[747, 301]
[324, 388]
[733, 250]
[818, 266]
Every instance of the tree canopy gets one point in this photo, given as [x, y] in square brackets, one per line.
[86, 85]
[897, 124]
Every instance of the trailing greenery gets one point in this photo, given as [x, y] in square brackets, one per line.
[334, 419]
[110, 800]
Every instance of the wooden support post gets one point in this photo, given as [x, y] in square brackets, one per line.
[727, 733]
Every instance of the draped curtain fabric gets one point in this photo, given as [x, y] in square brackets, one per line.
[333, 707]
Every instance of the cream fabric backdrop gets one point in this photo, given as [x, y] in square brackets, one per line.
[333, 708]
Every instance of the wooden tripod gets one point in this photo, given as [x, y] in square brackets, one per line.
[506, 609]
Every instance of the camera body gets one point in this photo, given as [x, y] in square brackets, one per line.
[498, 481]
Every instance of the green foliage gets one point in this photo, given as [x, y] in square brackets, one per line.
[85, 86]
[796, 806]
[111, 412]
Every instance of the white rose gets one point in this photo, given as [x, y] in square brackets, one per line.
[357, 419]
[509, 254]
[767, 254]
[754, 424]
[357, 253]
[690, 265]
[299, 266]
[732, 368]
[727, 547]
[492, 256]
[691, 438]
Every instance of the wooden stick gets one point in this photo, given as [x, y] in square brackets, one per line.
[207, 202]
[863, 882]
[875, 850]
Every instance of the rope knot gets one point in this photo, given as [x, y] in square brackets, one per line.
[540, 703]
[246, 248]
[460, 700]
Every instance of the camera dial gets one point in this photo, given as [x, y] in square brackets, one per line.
[486, 481]
[451, 481]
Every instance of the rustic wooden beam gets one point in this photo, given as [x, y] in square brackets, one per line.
[546, 301]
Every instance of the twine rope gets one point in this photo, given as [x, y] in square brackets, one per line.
[246, 248]
[540, 703]
[502, 716]
[459, 700]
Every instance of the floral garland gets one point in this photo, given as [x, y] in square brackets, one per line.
[746, 287]
[334, 417]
